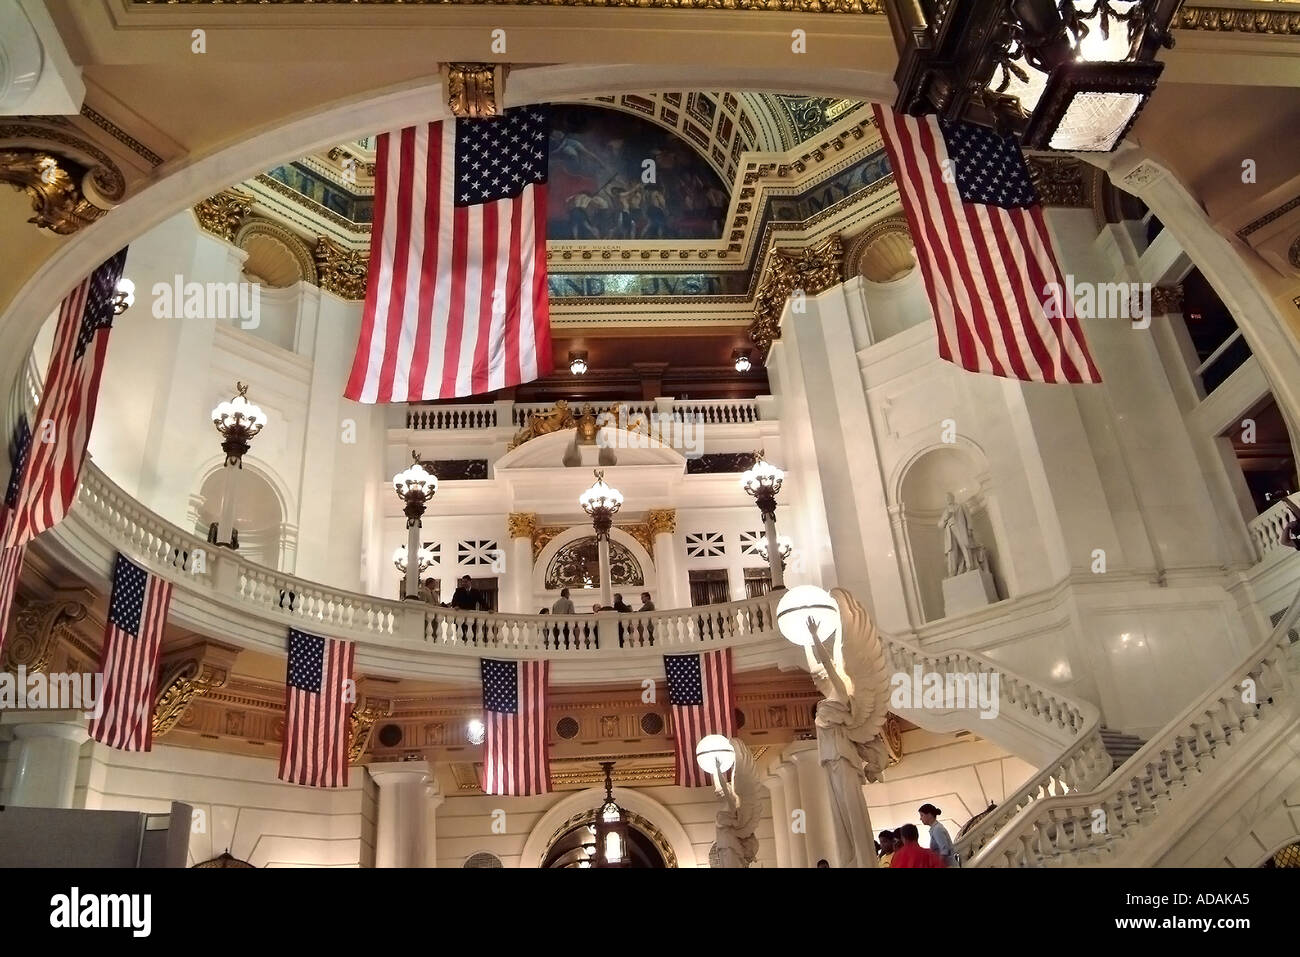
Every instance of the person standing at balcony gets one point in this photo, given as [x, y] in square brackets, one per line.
[912, 854]
[940, 842]
[621, 606]
[428, 591]
[564, 604]
[465, 598]
[646, 603]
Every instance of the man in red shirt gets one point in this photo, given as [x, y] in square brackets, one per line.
[912, 854]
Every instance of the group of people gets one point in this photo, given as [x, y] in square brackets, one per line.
[465, 597]
[564, 605]
[901, 847]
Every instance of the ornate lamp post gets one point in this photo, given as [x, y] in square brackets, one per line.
[784, 548]
[1059, 74]
[611, 826]
[424, 559]
[415, 486]
[238, 421]
[762, 481]
[601, 501]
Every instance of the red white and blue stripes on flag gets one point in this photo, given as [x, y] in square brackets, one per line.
[456, 300]
[702, 694]
[137, 616]
[320, 693]
[515, 756]
[985, 252]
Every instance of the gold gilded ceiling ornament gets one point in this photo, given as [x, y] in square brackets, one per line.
[1237, 20]
[64, 194]
[340, 270]
[37, 628]
[522, 524]
[475, 89]
[223, 214]
[186, 681]
[662, 521]
[1061, 180]
[544, 423]
[812, 270]
[586, 425]
[362, 722]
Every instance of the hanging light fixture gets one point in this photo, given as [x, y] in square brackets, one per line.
[424, 556]
[1060, 74]
[611, 826]
[740, 358]
[238, 421]
[123, 296]
[578, 363]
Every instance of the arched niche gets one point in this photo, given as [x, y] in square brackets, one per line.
[921, 491]
[266, 536]
[668, 834]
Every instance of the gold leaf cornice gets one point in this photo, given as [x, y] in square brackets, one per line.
[812, 270]
[1238, 20]
[776, 6]
[340, 270]
[224, 213]
[662, 521]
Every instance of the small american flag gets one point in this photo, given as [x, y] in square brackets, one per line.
[514, 744]
[456, 303]
[137, 614]
[984, 250]
[67, 409]
[11, 557]
[317, 724]
[703, 701]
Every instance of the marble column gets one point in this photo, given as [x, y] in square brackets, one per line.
[797, 841]
[674, 591]
[820, 839]
[408, 800]
[44, 750]
[780, 818]
[519, 571]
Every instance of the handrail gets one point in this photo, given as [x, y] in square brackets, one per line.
[1087, 825]
[1083, 762]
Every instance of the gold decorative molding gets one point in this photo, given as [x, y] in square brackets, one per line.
[782, 6]
[522, 524]
[812, 270]
[371, 706]
[662, 521]
[893, 738]
[293, 244]
[342, 271]
[1061, 181]
[35, 631]
[121, 135]
[543, 534]
[60, 189]
[475, 89]
[544, 423]
[642, 534]
[1239, 20]
[190, 670]
[223, 214]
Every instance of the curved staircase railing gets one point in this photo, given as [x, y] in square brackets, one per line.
[1094, 826]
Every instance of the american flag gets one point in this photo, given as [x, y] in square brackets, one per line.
[67, 408]
[514, 744]
[456, 302]
[703, 701]
[137, 614]
[984, 251]
[11, 557]
[317, 724]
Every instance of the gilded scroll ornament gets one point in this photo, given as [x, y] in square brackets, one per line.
[342, 271]
[522, 524]
[811, 270]
[1061, 180]
[36, 629]
[182, 684]
[223, 214]
[544, 423]
[362, 722]
[662, 521]
[63, 193]
[475, 89]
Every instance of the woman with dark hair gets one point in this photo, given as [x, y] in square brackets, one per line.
[940, 842]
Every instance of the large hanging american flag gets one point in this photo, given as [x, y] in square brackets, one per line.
[514, 743]
[703, 702]
[67, 409]
[11, 556]
[456, 298]
[984, 251]
[137, 614]
[317, 724]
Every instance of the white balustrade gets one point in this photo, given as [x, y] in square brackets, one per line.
[1266, 529]
[439, 417]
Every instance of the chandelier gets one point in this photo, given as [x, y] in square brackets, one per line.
[238, 421]
[1067, 75]
[611, 827]
[601, 501]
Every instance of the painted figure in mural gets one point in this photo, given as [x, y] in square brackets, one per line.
[958, 541]
[851, 676]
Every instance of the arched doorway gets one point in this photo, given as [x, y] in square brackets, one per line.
[573, 843]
